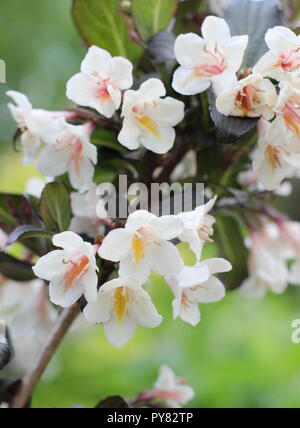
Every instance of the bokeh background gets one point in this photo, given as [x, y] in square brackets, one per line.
[241, 354]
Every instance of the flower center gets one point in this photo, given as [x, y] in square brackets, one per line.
[290, 61]
[144, 121]
[216, 64]
[291, 115]
[78, 266]
[120, 300]
[102, 90]
[143, 238]
[247, 99]
[205, 232]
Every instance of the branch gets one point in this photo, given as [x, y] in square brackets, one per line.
[59, 330]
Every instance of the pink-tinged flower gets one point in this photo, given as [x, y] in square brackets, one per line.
[69, 150]
[122, 304]
[101, 81]
[198, 227]
[290, 237]
[267, 264]
[143, 246]
[274, 159]
[205, 61]
[71, 271]
[170, 389]
[282, 61]
[196, 285]
[149, 119]
[253, 96]
[89, 212]
[287, 123]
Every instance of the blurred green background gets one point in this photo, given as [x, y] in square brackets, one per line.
[241, 354]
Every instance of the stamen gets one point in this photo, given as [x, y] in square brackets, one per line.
[120, 300]
[78, 267]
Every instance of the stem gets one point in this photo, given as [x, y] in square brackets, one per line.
[59, 330]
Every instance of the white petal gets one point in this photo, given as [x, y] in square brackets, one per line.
[90, 282]
[122, 72]
[49, 265]
[82, 89]
[100, 311]
[151, 90]
[82, 179]
[116, 99]
[116, 246]
[188, 48]
[266, 66]
[63, 297]
[211, 291]
[144, 312]
[160, 144]
[20, 99]
[97, 60]
[235, 50]
[168, 227]
[193, 276]
[129, 135]
[30, 143]
[218, 265]
[53, 162]
[190, 313]
[187, 82]
[281, 39]
[215, 29]
[170, 111]
[165, 259]
[119, 333]
[67, 240]
[139, 271]
[252, 288]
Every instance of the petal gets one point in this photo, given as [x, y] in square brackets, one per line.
[235, 50]
[63, 297]
[20, 99]
[160, 144]
[187, 82]
[225, 102]
[171, 111]
[151, 90]
[139, 271]
[67, 240]
[97, 60]
[210, 292]
[53, 162]
[144, 313]
[215, 30]
[216, 265]
[82, 178]
[193, 276]
[190, 313]
[168, 227]
[122, 72]
[116, 246]
[266, 65]
[48, 266]
[100, 311]
[252, 288]
[129, 135]
[165, 259]
[82, 89]
[224, 81]
[188, 48]
[119, 333]
[30, 143]
[116, 99]
[90, 282]
[281, 39]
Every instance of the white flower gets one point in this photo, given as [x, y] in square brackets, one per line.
[27, 120]
[143, 246]
[286, 126]
[197, 285]
[71, 271]
[253, 96]
[171, 389]
[197, 227]
[267, 264]
[86, 210]
[149, 119]
[282, 61]
[122, 304]
[273, 160]
[69, 150]
[101, 81]
[209, 59]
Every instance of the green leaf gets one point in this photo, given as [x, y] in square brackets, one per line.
[228, 128]
[101, 23]
[254, 18]
[116, 402]
[108, 139]
[28, 232]
[15, 269]
[230, 241]
[153, 16]
[187, 13]
[55, 207]
[16, 210]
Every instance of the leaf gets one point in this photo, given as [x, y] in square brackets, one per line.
[254, 18]
[55, 207]
[153, 16]
[16, 210]
[107, 139]
[15, 269]
[188, 15]
[161, 47]
[100, 23]
[5, 346]
[229, 128]
[28, 232]
[230, 240]
[115, 402]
